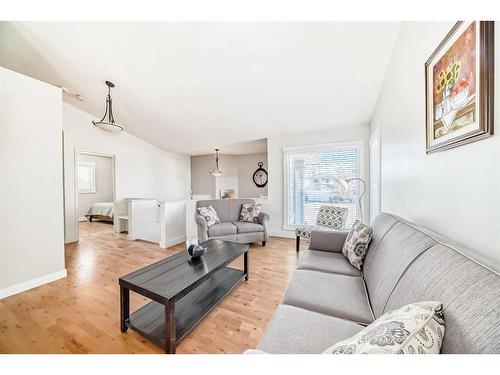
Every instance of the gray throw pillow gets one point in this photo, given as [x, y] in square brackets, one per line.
[356, 243]
[250, 212]
[209, 214]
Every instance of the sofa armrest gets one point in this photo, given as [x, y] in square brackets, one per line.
[202, 226]
[264, 220]
[328, 240]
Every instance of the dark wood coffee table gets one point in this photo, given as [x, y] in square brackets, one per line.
[183, 292]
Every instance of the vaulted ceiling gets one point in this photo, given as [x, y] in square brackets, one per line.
[191, 86]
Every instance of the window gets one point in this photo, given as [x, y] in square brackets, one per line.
[375, 162]
[310, 181]
[86, 178]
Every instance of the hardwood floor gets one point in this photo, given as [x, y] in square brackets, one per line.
[80, 314]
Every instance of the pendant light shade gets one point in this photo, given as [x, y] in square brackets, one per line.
[107, 122]
[216, 172]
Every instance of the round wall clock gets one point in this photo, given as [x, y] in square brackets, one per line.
[260, 176]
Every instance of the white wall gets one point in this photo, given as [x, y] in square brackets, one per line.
[454, 192]
[275, 160]
[103, 182]
[31, 194]
[141, 169]
[237, 174]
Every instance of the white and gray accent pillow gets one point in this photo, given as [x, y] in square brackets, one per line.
[417, 328]
[356, 243]
[209, 214]
[250, 212]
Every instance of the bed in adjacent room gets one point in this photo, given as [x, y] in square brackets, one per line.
[101, 211]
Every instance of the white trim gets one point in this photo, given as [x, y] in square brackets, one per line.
[30, 284]
[324, 146]
[77, 151]
[360, 145]
[173, 241]
[375, 165]
[82, 218]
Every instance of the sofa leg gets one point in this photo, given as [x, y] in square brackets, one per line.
[263, 243]
[297, 243]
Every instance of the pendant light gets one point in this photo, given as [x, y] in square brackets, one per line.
[216, 172]
[108, 124]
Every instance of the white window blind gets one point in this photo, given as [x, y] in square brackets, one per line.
[310, 181]
[375, 164]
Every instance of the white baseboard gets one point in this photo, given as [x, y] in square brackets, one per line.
[30, 284]
[282, 233]
[82, 218]
[173, 241]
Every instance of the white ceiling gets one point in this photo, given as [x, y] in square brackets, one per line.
[192, 86]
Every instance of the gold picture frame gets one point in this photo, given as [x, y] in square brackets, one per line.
[459, 87]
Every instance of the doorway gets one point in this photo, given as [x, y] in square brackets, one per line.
[94, 191]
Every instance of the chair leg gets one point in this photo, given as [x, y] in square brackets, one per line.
[297, 243]
[263, 243]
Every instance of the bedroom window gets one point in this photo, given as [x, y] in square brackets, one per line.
[86, 178]
[310, 174]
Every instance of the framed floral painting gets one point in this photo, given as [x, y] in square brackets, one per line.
[459, 87]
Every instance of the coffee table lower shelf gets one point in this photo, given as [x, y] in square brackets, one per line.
[149, 320]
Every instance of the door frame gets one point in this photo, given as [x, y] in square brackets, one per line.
[80, 151]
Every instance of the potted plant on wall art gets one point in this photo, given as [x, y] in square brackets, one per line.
[459, 87]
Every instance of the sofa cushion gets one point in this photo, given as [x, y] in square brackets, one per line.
[328, 293]
[222, 229]
[469, 291]
[244, 227]
[295, 330]
[327, 262]
[417, 328]
[250, 237]
[399, 247]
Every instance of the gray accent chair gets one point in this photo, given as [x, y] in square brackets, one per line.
[328, 300]
[230, 228]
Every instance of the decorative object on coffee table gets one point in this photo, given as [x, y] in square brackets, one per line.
[329, 217]
[196, 251]
[183, 292]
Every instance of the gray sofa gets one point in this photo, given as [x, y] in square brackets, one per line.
[328, 300]
[230, 228]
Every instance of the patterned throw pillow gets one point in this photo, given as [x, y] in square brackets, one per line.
[417, 328]
[209, 214]
[250, 212]
[356, 243]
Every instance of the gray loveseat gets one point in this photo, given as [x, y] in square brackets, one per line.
[328, 300]
[230, 228]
